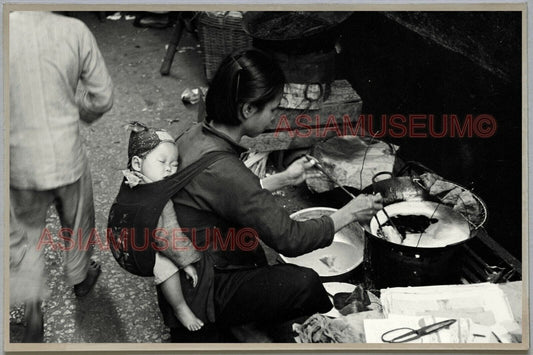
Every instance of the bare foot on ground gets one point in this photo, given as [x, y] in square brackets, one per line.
[187, 318]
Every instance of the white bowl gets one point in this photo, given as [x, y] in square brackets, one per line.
[346, 251]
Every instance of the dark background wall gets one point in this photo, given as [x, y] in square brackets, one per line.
[448, 63]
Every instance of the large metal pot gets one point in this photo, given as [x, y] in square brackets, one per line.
[392, 265]
[430, 258]
[389, 264]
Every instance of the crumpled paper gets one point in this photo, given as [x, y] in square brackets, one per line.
[357, 301]
[303, 96]
[347, 328]
[193, 96]
[352, 161]
[256, 162]
[321, 329]
[462, 200]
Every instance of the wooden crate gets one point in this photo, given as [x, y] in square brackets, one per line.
[304, 128]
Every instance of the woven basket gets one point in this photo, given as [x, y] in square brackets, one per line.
[220, 33]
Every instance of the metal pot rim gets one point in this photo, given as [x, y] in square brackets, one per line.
[368, 230]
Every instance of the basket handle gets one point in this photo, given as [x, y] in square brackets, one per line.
[379, 174]
[374, 181]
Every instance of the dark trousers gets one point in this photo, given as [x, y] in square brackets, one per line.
[265, 295]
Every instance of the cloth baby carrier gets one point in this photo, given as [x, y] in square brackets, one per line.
[135, 212]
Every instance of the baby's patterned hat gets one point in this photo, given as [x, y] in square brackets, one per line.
[144, 139]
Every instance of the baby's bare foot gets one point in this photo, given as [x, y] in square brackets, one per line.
[187, 318]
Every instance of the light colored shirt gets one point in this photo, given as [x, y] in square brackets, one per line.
[49, 56]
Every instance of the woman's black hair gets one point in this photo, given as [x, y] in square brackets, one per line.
[249, 76]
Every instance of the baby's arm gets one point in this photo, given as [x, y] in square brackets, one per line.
[164, 268]
[166, 274]
[172, 242]
[173, 256]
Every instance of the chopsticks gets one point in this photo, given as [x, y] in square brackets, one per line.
[319, 166]
[391, 222]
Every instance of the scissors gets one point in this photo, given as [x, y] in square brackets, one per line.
[403, 335]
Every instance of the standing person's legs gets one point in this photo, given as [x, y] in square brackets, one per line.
[75, 206]
[26, 259]
[27, 228]
[269, 294]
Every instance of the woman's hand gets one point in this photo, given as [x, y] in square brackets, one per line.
[365, 207]
[300, 170]
[360, 209]
[295, 174]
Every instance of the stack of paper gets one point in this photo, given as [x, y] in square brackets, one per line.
[480, 309]
[484, 303]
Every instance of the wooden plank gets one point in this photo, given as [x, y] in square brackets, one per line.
[339, 115]
[268, 142]
[342, 101]
[302, 137]
[499, 250]
[342, 91]
[302, 129]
